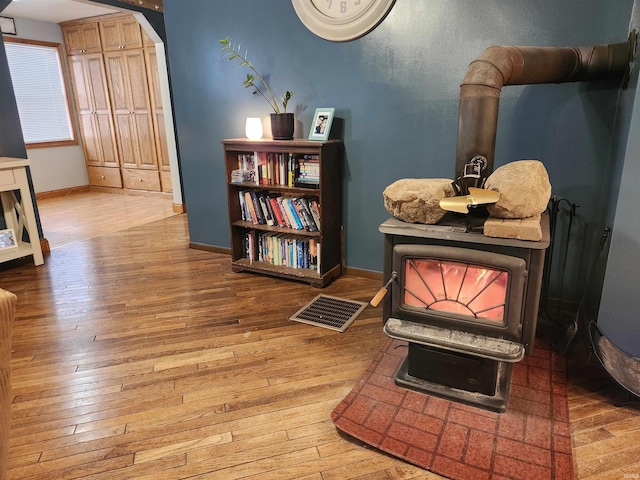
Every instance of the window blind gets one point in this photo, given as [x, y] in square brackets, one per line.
[40, 92]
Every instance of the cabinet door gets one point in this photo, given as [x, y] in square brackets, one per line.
[84, 38]
[102, 109]
[94, 113]
[120, 33]
[91, 38]
[126, 73]
[130, 34]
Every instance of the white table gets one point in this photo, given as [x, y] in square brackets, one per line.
[18, 214]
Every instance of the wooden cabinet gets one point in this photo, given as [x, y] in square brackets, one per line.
[131, 105]
[119, 103]
[82, 38]
[275, 173]
[120, 33]
[94, 116]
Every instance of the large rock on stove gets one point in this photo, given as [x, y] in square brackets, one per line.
[417, 200]
[524, 189]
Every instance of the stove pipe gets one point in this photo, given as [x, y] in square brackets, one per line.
[512, 65]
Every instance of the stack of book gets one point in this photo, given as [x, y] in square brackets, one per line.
[308, 171]
[241, 176]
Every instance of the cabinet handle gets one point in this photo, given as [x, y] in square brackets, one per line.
[103, 177]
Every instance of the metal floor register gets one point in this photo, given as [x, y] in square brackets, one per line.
[329, 312]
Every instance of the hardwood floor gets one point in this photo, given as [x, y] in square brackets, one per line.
[80, 216]
[135, 357]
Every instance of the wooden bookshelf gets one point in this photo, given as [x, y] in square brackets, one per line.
[273, 170]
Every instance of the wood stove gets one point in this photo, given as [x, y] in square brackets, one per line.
[467, 305]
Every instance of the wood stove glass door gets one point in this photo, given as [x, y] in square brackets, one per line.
[452, 284]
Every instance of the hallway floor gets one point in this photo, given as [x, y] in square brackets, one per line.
[80, 216]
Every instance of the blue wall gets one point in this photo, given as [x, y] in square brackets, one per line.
[397, 89]
[617, 315]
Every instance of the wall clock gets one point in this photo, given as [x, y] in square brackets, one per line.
[342, 20]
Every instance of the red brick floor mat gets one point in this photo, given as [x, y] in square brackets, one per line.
[530, 441]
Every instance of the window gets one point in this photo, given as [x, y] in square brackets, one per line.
[41, 94]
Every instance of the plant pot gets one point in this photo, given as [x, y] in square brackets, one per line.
[282, 125]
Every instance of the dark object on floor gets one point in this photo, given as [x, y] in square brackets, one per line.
[532, 439]
[625, 370]
[329, 312]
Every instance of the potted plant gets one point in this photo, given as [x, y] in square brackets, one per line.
[282, 123]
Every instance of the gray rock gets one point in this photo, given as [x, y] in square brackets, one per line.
[417, 200]
[524, 189]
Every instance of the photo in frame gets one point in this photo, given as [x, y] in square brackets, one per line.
[8, 25]
[321, 123]
[7, 239]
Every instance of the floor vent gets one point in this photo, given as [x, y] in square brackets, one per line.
[329, 312]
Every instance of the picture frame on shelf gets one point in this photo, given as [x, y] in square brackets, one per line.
[7, 239]
[321, 124]
[8, 25]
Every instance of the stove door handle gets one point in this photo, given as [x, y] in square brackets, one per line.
[375, 301]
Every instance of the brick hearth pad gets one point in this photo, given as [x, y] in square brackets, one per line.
[530, 441]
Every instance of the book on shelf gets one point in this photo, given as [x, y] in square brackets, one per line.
[314, 206]
[304, 215]
[244, 212]
[265, 209]
[249, 245]
[305, 211]
[282, 250]
[251, 208]
[294, 221]
[279, 220]
[245, 173]
[313, 254]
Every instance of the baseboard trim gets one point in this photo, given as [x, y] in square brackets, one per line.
[209, 248]
[359, 272]
[63, 192]
[179, 208]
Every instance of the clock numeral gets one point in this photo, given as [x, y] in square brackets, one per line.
[343, 6]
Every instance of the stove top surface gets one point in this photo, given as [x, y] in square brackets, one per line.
[462, 228]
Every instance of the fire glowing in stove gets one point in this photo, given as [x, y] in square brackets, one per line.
[455, 287]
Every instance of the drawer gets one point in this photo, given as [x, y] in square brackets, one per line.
[141, 179]
[104, 177]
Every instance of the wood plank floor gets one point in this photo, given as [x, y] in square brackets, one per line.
[136, 357]
[80, 216]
